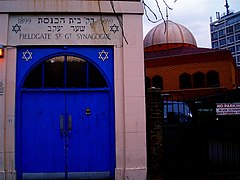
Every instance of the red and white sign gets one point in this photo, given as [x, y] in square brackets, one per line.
[228, 109]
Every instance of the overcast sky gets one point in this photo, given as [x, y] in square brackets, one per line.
[193, 14]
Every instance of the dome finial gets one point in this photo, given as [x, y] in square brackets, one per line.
[167, 26]
[166, 13]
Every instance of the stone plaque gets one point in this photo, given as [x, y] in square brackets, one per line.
[65, 30]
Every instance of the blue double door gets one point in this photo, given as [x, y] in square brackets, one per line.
[65, 113]
[65, 135]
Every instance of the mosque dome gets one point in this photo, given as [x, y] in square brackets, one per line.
[168, 35]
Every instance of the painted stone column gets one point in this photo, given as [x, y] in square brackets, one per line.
[131, 131]
[3, 41]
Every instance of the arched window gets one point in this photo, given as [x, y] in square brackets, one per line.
[185, 81]
[213, 79]
[157, 82]
[65, 72]
[198, 80]
[147, 82]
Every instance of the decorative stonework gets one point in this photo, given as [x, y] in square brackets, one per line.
[16, 28]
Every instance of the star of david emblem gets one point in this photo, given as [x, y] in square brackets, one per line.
[103, 55]
[27, 55]
[16, 28]
[114, 28]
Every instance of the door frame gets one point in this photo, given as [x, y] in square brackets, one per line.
[44, 53]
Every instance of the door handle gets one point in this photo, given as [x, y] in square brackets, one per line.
[69, 122]
[62, 124]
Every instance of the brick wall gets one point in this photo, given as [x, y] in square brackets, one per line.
[170, 73]
[171, 67]
[154, 110]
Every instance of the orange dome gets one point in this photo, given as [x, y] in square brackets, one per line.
[168, 35]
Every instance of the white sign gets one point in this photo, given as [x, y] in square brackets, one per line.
[228, 109]
[64, 30]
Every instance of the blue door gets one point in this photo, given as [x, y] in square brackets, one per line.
[65, 119]
[90, 131]
[42, 145]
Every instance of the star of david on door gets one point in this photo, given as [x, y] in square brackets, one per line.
[103, 55]
[27, 55]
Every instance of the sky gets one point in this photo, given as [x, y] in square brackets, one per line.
[193, 14]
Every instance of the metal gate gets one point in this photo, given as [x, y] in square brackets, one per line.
[190, 139]
[207, 146]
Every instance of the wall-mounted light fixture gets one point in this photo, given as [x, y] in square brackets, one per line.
[1, 51]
